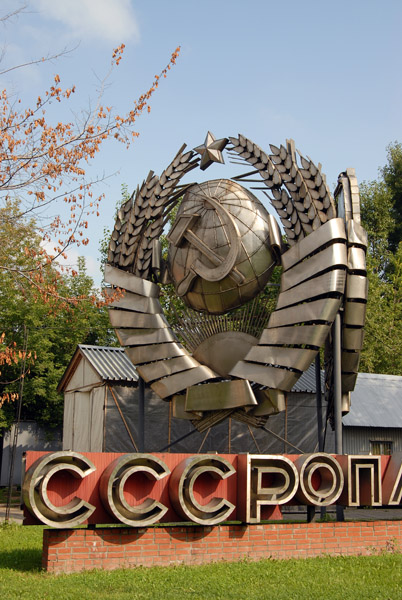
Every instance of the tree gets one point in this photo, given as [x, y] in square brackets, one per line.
[48, 326]
[376, 209]
[392, 176]
[43, 163]
[381, 215]
[383, 328]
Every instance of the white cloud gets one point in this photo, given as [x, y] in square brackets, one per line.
[102, 20]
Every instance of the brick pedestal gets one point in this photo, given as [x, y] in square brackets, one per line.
[71, 550]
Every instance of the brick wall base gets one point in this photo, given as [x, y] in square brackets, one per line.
[70, 550]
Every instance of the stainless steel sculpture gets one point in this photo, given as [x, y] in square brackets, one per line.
[223, 246]
[224, 223]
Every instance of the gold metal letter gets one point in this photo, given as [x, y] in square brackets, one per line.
[35, 493]
[112, 484]
[266, 480]
[181, 489]
[321, 479]
[364, 480]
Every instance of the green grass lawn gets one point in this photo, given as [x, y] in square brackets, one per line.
[376, 577]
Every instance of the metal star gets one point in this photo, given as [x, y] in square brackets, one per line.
[211, 151]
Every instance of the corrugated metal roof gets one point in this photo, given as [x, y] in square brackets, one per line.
[112, 364]
[376, 402]
[306, 383]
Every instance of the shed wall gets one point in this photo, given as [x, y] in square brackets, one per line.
[356, 440]
[30, 437]
[300, 426]
[84, 376]
[84, 420]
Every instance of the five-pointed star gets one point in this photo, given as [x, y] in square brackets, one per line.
[211, 151]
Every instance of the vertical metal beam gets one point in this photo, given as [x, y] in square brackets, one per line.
[320, 429]
[141, 414]
[311, 514]
[285, 445]
[319, 403]
[104, 418]
[338, 398]
[337, 385]
[1, 448]
[170, 423]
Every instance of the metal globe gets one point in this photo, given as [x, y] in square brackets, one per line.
[219, 247]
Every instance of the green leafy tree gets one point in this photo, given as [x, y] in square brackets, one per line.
[392, 177]
[381, 216]
[376, 208]
[383, 328]
[53, 324]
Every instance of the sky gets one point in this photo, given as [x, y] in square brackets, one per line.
[326, 74]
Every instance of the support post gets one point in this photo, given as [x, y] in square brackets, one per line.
[311, 514]
[320, 430]
[338, 398]
[141, 415]
[319, 403]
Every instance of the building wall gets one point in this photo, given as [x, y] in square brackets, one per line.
[84, 377]
[356, 440]
[298, 426]
[84, 420]
[30, 437]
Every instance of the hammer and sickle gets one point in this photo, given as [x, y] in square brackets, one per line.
[222, 266]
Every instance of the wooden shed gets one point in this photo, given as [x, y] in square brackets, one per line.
[98, 383]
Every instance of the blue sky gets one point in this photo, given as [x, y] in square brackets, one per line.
[327, 74]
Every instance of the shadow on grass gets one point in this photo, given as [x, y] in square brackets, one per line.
[21, 560]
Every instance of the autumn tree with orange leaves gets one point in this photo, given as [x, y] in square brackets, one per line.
[43, 168]
[42, 164]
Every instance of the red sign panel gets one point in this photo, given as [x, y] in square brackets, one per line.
[65, 489]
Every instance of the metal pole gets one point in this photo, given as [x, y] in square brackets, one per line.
[320, 430]
[311, 514]
[337, 385]
[141, 414]
[338, 398]
[319, 403]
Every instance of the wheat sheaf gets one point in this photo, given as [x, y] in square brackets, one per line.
[141, 219]
[299, 194]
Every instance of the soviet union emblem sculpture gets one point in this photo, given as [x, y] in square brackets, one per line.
[225, 355]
